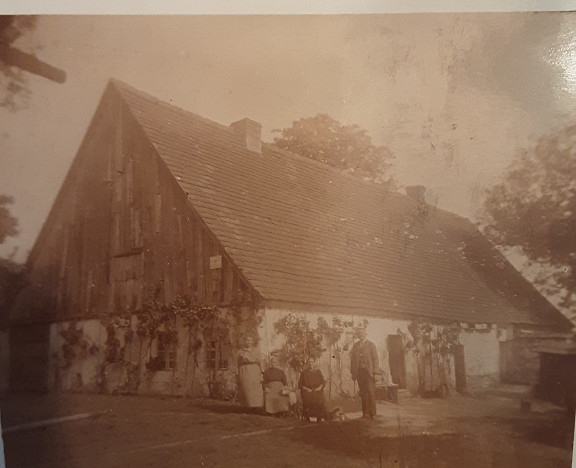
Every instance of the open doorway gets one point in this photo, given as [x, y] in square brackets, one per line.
[396, 360]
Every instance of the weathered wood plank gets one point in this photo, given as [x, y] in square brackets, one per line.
[125, 225]
[201, 291]
[228, 280]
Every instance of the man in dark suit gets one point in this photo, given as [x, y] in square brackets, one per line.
[364, 367]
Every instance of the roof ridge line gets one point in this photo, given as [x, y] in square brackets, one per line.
[268, 145]
[145, 95]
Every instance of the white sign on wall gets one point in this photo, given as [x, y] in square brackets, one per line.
[215, 262]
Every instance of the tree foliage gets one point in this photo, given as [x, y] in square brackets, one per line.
[534, 208]
[345, 147]
[12, 280]
[8, 223]
[301, 341]
[13, 84]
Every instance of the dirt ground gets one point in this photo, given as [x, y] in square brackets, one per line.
[487, 430]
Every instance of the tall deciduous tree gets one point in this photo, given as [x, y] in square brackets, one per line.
[11, 273]
[534, 208]
[8, 223]
[345, 147]
[13, 84]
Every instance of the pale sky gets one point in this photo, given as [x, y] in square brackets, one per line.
[453, 95]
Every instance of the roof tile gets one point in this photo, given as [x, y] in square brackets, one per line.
[302, 232]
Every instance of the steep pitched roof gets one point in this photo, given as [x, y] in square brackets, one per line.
[301, 232]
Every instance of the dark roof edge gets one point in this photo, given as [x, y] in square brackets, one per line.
[562, 322]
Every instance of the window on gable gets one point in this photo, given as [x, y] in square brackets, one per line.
[166, 352]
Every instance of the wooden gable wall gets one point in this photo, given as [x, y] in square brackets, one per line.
[120, 229]
[161, 236]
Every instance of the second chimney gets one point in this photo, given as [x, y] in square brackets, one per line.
[251, 133]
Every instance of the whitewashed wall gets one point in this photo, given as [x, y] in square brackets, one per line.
[336, 368]
[482, 357]
[481, 351]
[83, 372]
[86, 373]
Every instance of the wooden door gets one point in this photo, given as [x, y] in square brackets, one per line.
[459, 368]
[396, 360]
[29, 358]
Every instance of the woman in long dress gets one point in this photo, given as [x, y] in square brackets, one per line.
[311, 384]
[276, 400]
[250, 376]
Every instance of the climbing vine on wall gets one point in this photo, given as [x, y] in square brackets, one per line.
[244, 317]
[75, 345]
[119, 336]
[157, 320]
[114, 350]
[435, 338]
[432, 345]
[302, 341]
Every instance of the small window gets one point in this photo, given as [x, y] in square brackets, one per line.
[166, 353]
[214, 356]
[211, 347]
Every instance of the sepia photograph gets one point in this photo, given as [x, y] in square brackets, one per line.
[340, 240]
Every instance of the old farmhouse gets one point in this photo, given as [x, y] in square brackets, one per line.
[174, 237]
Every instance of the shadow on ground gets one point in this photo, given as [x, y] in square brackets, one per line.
[358, 439]
[556, 433]
[347, 405]
[225, 408]
[355, 439]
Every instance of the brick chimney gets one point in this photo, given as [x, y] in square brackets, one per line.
[251, 133]
[417, 192]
